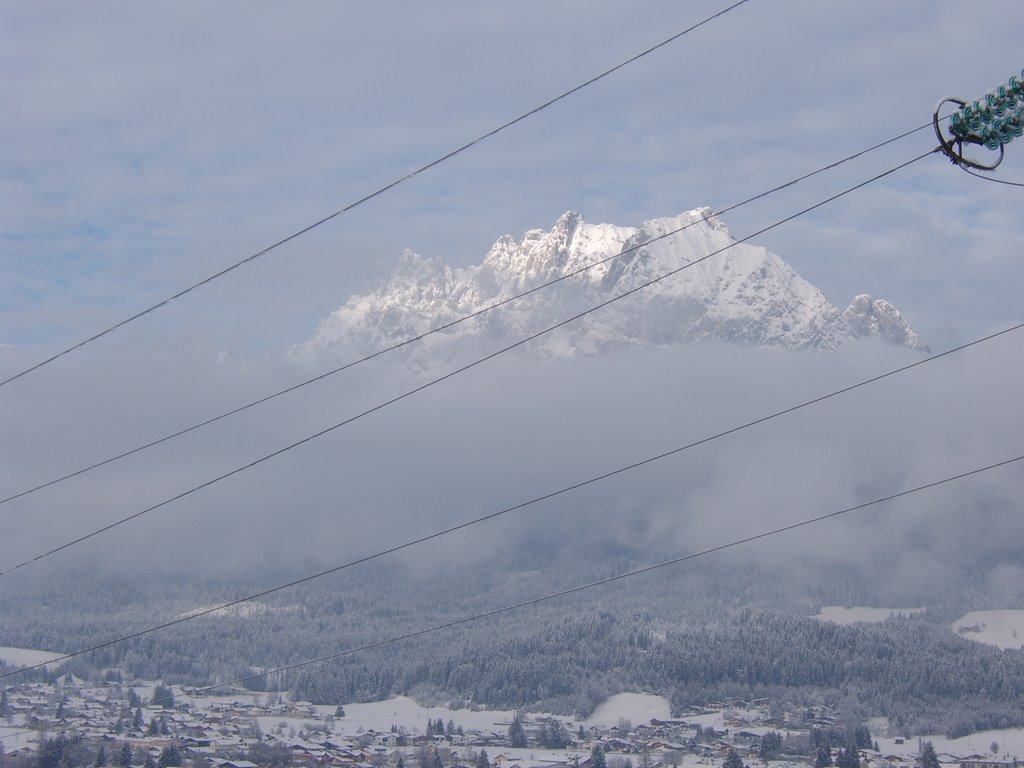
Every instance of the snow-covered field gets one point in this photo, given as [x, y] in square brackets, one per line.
[837, 614]
[1003, 629]
[401, 710]
[26, 657]
[1010, 741]
[635, 707]
[16, 736]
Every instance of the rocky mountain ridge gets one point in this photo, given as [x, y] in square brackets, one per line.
[670, 294]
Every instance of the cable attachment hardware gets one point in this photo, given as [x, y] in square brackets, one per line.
[992, 121]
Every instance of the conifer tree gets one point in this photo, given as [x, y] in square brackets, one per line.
[733, 760]
[771, 746]
[516, 734]
[51, 751]
[849, 757]
[170, 756]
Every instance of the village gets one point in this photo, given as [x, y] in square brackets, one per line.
[71, 724]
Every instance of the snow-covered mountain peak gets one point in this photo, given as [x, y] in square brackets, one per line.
[419, 281]
[570, 246]
[877, 317]
[703, 216]
[684, 279]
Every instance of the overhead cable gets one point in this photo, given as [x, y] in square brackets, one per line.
[992, 178]
[617, 577]
[522, 505]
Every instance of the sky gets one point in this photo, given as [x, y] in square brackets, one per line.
[150, 146]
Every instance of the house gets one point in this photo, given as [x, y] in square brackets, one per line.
[234, 764]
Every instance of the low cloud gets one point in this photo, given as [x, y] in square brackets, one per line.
[517, 429]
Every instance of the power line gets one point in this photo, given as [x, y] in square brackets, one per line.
[618, 577]
[460, 370]
[522, 505]
[447, 326]
[579, 588]
[372, 195]
[992, 179]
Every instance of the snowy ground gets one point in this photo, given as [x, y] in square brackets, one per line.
[635, 707]
[840, 615]
[994, 627]
[16, 736]
[401, 710]
[1003, 629]
[25, 657]
[1011, 744]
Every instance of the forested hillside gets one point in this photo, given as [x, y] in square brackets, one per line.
[691, 635]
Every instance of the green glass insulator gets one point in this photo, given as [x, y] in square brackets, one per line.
[995, 104]
[957, 126]
[988, 138]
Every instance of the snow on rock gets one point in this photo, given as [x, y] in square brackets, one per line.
[744, 294]
[867, 317]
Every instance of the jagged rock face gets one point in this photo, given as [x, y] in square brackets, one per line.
[867, 317]
[743, 294]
